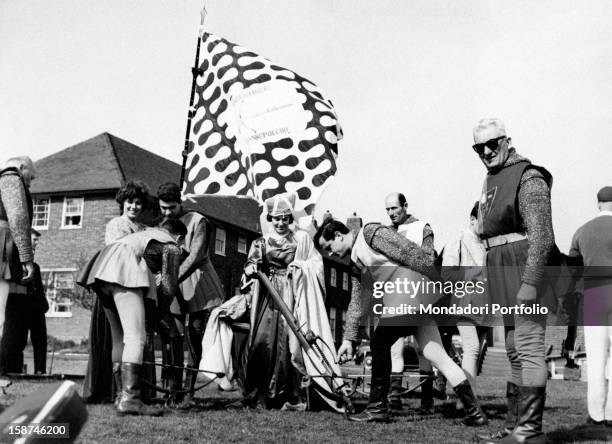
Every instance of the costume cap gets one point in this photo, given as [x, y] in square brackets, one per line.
[281, 204]
[605, 195]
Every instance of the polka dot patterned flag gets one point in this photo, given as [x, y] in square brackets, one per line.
[257, 129]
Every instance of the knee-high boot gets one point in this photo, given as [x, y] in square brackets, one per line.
[377, 409]
[117, 386]
[529, 424]
[395, 400]
[427, 392]
[130, 402]
[474, 416]
[511, 415]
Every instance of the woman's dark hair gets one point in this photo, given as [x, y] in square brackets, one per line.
[132, 190]
[269, 218]
[474, 212]
[174, 226]
[328, 230]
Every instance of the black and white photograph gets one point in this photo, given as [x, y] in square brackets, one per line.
[305, 221]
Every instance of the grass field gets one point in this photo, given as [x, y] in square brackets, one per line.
[210, 422]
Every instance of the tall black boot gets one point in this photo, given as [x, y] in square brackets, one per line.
[511, 415]
[377, 409]
[175, 383]
[116, 382]
[395, 400]
[474, 416]
[529, 425]
[427, 392]
[130, 402]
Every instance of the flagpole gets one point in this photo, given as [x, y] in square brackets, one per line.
[195, 71]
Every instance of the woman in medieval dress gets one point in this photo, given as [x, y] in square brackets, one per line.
[274, 361]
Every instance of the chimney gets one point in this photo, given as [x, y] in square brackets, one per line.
[354, 223]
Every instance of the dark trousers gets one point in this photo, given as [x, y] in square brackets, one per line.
[382, 340]
[21, 319]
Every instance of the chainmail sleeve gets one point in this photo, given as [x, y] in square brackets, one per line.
[399, 249]
[535, 210]
[354, 312]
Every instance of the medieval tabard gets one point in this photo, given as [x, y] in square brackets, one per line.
[202, 289]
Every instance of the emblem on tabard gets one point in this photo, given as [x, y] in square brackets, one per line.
[486, 202]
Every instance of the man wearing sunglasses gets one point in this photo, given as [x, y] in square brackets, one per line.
[516, 227]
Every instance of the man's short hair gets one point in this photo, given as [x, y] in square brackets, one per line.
[474, 212]
[35, 232]
[402, 199]
[328, 229]
[20, 161]
[169, 192]
[174, 226]
[498, 124]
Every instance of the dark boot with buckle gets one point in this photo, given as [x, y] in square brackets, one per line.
[395, 400]
[116, 382]
[529, 424]
[474, 416]
[130, 402]
[377, 409]
[427, 393]
[511, 415]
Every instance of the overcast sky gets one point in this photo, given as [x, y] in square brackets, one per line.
[409, 80]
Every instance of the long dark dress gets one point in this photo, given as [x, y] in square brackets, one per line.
[270, 378]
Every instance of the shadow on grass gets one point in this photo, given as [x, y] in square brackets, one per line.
[581, 433]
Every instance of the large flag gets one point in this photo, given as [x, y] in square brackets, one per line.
[257, 129]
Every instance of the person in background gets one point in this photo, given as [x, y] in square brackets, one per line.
[592, 243]
[199, 284]
[420, 233]
[26, 314]
[463, 261]
[16, 256]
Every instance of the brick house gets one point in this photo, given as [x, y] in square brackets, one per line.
[74, 198]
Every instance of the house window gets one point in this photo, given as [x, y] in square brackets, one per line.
[242, 244]
[220, 241]
[332, 277]
[332, 320]
[40, 219]
[72, 216]
[345, 280]
[59, 285]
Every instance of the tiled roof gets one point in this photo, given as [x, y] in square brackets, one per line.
[103, 162]
[239, 211]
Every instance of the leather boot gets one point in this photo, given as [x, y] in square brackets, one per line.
[474, 416]
[175, 383]
[511, 415]
[395, 400]
[377, 409]
[116, 382]
[427, 393]
[529, 424]
[130, 402]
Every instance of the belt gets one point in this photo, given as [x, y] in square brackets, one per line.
[503, 239]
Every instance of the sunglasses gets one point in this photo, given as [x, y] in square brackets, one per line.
[285, 219]
[492, 144]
